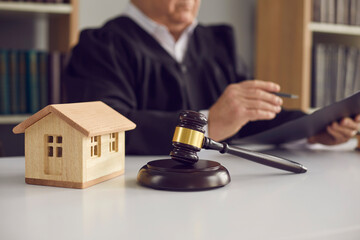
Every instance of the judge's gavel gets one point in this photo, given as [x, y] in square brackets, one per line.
[189, 138]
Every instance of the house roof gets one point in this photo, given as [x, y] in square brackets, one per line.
[90, 118]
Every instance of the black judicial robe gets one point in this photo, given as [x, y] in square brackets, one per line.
[123, 66]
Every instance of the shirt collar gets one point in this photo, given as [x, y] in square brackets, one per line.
[148, 24]
[161, 32]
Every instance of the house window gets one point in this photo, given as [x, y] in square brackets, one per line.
[54, 154]
[113, 143]
[50, 151]
[95, 146]
[51, 145]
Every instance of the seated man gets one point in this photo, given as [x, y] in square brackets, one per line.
[156, 60]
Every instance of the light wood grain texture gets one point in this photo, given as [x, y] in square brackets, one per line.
[283, 47]
[63, 29]
[107, 162]
[79, 185]
[36, 150]
[74, 145]
[90, 118]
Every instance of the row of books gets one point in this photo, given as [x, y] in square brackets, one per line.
[29, 80]
[345, 12]
[336, 73]
[38, 1]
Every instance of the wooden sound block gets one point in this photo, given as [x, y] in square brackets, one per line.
[172, 175]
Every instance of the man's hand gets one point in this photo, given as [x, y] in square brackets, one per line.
[337, 133]
[240, 103]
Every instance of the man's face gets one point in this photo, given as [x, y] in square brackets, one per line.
[176, 11]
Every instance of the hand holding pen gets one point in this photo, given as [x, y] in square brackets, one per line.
[241, 103]
[286, 95]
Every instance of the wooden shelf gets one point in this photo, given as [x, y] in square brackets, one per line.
[13, 119]
[50, 8]
[286, 35]
[334, 28]
[62, 30]
[283, 47]
[62, 20]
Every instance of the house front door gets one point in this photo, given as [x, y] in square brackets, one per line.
[53, 155]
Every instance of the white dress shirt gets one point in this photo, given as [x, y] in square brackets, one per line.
[176, 49]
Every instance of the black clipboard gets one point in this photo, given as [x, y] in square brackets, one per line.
[308, 125]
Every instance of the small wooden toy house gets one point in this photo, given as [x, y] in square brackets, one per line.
[74, 145]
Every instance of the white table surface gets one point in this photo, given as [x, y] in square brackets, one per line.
[259, 203]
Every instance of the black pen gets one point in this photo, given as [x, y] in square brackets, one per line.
[285, 95]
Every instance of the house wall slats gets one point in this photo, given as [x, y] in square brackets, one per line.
[108, 162]
[36, 150]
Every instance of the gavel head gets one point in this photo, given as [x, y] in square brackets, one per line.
[188, 137]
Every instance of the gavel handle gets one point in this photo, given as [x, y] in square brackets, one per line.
[265, 159]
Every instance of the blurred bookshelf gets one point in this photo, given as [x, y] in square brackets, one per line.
[42, 68]
[29, 76]
[291, 34]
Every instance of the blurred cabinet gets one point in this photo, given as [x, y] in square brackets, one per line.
[285, 35]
